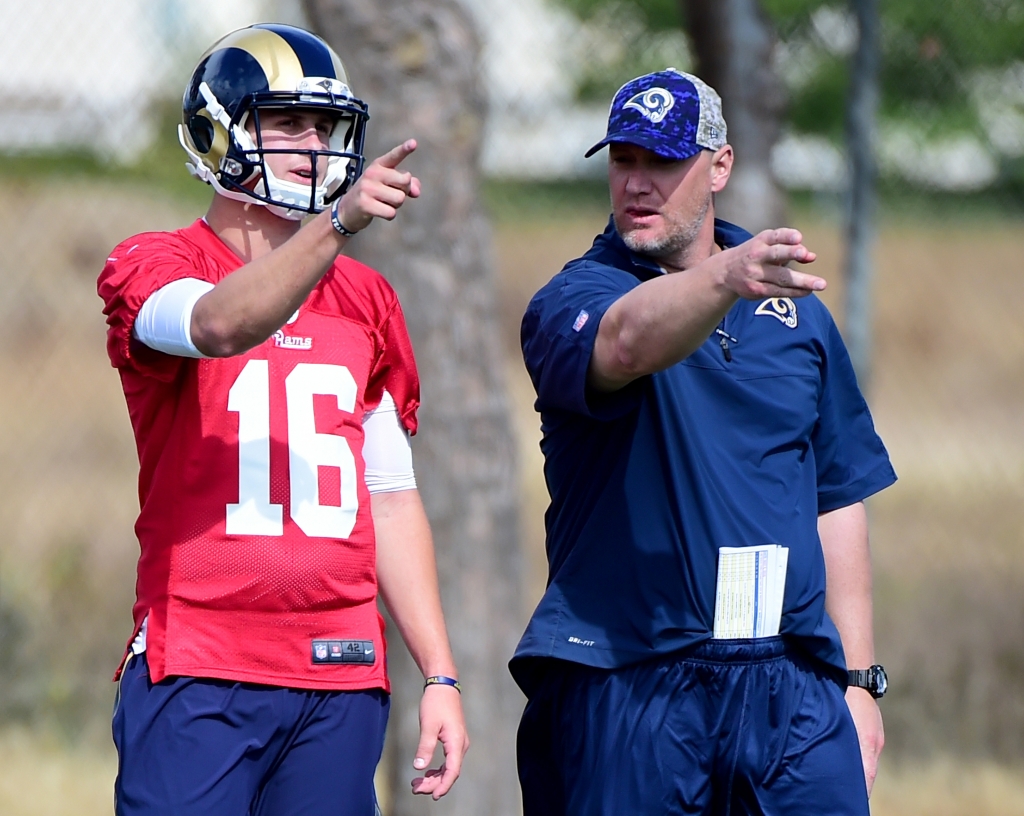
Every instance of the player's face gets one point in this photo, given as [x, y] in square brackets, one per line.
[296, 129]
[660, 205]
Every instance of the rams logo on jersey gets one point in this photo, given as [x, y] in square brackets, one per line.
[653, 104]
[783, 309]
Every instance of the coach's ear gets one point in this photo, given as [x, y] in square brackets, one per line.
[721, 168]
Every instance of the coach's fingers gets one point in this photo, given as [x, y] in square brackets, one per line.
[786, 278]
[782, 245]
[782, 254]
[782, 235]
[396, 155]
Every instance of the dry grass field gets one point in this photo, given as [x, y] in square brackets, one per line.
[946, 393]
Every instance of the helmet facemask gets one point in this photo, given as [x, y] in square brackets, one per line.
[243, 173]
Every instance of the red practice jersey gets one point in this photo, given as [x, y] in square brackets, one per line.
[257, 559]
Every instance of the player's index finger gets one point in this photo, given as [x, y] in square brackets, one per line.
[396, 155]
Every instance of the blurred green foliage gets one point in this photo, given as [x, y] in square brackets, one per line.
[660, 15]
[935, 57]
[931, 54]
[931, 51]
[623, 39]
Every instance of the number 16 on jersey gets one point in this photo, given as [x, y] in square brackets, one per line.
[249, 397]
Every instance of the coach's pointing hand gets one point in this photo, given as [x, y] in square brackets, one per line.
[380, 190]
[757, 268]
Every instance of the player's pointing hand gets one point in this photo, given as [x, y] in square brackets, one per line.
[758, 268]
[380, 190]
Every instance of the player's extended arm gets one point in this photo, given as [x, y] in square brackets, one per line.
[844, 540]
[253, 302]
[664, 320]
[407, 576]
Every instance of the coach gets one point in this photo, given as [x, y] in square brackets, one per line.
[699, 410]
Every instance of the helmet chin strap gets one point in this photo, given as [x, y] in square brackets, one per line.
[291, 201]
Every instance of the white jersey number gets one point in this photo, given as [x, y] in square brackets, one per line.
[308, 450]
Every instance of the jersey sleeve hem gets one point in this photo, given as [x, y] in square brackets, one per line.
[877, 480]
[395, 370]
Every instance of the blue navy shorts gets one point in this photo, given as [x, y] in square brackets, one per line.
[218, 748]
[729, 727]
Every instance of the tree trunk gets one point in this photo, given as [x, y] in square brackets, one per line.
[734, 40]
[417, 64]
[861, 110]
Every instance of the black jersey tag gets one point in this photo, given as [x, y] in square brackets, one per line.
[344, 651]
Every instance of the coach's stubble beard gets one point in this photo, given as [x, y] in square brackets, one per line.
[680, 232]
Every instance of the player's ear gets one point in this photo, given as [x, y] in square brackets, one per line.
[721, 168]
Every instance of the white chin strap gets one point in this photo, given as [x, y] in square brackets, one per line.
[291, 200]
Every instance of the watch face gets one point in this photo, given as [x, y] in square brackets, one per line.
[879, 681]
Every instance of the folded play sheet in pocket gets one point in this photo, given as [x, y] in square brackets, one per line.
[748, 597]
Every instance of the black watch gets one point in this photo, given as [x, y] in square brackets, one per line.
[874, 680]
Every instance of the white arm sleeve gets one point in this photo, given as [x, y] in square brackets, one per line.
[386, 450]
[164, 322]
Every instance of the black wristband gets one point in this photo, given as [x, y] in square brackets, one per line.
[340, 228]
[441, 680]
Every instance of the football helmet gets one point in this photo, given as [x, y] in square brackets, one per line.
[265, 67]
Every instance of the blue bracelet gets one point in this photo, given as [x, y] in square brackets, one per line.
[441, 680]
[336, 221]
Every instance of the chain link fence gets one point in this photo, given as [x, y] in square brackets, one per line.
[84, 88]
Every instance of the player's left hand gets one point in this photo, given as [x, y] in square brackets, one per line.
[868, 719]
[441, 721]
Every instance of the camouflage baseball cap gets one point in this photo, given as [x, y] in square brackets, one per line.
[671, 113]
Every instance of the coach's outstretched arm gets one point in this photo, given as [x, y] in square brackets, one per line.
[253, 302]
[407, 576]
[664, 320]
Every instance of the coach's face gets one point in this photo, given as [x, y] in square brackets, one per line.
[661, 205]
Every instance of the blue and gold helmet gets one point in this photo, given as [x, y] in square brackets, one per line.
[264, 67]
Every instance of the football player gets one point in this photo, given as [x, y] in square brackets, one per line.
[272, 391]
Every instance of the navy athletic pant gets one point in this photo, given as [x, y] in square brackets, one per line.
[199, 747]
[730, 727]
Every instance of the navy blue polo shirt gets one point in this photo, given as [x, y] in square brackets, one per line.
[647, 483]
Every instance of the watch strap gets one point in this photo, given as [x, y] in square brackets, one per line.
[869, 680]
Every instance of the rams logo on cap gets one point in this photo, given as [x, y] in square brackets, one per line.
[653, 104]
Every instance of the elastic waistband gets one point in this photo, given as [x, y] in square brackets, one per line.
[747, 650]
